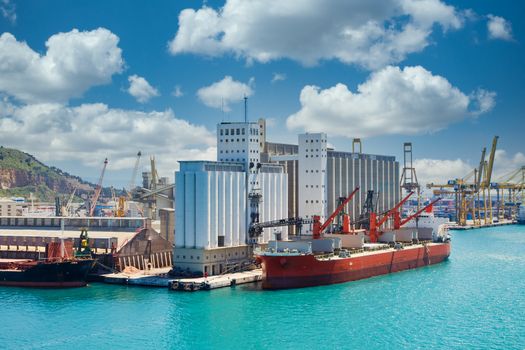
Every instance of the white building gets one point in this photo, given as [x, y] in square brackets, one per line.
[12, 206]
[212, 206]
[312, 177]
[319, 175]
[240, 142]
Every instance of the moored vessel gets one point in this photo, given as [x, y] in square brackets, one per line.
[290, 267]
[63, 267]
[416, 241]
[45, 273]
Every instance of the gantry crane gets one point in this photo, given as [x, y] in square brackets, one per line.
[514, 183]
[469, 188]
[485, 184]
[98, 189]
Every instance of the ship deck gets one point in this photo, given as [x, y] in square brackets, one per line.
[377, 250]
[367, 250]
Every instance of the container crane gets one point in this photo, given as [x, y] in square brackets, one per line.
[485, 185]
[514, 183]
[98, 189]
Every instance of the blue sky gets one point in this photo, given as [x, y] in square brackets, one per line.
[446, 75]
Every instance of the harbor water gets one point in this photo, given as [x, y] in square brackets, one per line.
[475, 300]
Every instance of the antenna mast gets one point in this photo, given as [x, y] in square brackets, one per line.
[245, 109]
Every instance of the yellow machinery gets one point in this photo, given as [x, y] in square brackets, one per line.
[121, 205]
[472, 190]
[514, 184]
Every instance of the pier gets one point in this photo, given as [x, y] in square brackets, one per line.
[471, 225]
[214, 282]
[160, 278]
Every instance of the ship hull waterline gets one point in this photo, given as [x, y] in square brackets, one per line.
[283, 272]
[68, 274]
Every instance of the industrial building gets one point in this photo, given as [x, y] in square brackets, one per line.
[117, 242]
[319, 175]
[216, 201]
[257, 181]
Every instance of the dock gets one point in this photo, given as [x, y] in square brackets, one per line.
[214, 282]
[471, 226]
[160, 278]
[151, 278]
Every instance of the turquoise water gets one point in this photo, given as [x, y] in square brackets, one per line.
[476, 300]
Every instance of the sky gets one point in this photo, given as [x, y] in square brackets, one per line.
[84, 80]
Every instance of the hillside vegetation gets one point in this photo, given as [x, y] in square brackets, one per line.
[22, 174]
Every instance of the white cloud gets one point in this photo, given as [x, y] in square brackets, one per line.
[499, 28]
[222, 93]
[74, 62]
[90, 132]
[392, 101]
[439, 171]
[141, 89]
[278, 77]
[177, 92]
[504, 163]
[371, 34]
[482, 101]
[8, 10]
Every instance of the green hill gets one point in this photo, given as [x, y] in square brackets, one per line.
[22, 174]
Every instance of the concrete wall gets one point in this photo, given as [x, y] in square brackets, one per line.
[167, 224]
[213, 261]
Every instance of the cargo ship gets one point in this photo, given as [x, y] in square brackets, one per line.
[327, 258]
[45, 274]
[63, 267]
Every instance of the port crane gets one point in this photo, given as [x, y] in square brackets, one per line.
[514, 183]
[256, 228]
[66, 209]
[375, 223]
[122, 200]
[98, 189]
[470, 188]
[149, 196]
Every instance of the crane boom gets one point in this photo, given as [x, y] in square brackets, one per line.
[486, 183]
[65, 211]
[416, 214]
[339, 208]
[98, 189]
[480, 169]
[395, 208]
[134, 174]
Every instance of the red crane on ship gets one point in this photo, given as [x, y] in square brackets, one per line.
[318, 228]
[375, 224]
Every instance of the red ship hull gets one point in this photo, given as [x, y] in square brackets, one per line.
[295, 271]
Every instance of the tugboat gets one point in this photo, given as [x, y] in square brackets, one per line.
[62, 268]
